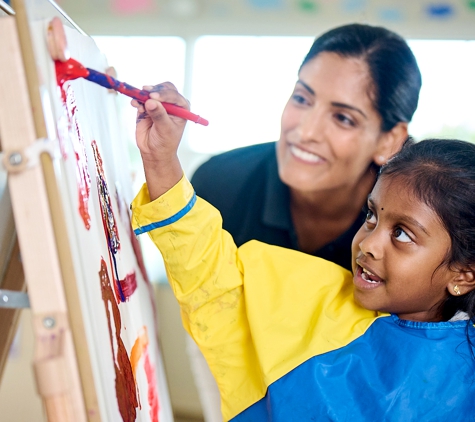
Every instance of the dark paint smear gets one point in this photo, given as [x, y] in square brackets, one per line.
[124, 379]
[82, 173]
[108, 222]
[129, 284]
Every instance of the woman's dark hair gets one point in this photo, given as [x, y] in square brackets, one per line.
[441, 173]
[395, 76]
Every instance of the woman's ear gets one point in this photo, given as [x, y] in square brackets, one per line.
[390, 143]
[462, 283]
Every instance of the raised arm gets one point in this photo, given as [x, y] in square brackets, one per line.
[158, 136]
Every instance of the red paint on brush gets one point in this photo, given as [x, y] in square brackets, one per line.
[125, 387]
[72, 69]
[69, 70]
[140, 349]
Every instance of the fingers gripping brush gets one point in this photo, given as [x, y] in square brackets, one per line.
[72, 69]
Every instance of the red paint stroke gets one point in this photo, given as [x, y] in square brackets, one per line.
[72, 131]
[125, 387]
[140, 349]
[128, 285]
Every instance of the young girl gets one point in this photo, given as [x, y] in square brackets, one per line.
[292, 337]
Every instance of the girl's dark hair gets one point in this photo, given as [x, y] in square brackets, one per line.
[441, 173]
[395, 76]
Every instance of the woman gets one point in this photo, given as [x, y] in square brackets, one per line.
[357, 90]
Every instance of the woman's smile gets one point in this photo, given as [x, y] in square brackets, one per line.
[305, 156]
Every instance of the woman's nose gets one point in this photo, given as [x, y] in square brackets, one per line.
[312, 125]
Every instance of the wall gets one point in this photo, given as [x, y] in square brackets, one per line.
[441, 19]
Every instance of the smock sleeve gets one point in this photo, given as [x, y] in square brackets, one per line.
[205, 274]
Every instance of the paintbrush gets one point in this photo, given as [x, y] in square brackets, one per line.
[72, 69]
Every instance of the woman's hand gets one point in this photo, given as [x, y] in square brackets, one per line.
[158, 136]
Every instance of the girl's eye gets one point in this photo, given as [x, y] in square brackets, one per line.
[401, 235]
[370, 217]
[344, 119]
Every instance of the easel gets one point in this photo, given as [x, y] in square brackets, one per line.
[61, 364]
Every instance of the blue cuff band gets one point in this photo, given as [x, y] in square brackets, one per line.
[169, 220]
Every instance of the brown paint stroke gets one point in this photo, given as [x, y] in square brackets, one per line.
[125, 387]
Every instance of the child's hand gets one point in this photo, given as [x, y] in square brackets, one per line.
[158, 136]
[158, 133]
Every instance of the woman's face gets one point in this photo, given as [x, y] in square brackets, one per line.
[330, 132]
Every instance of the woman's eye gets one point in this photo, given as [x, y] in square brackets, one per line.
[370, 217]
[401, 235]
[342, 118]
[299, 99]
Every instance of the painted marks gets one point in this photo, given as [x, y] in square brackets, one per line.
[266, 4]
[440, 10]
[126, 287]
[68, 128]
[353, 6]
[108, 218]
[391, 14]
[140, 350]
[128, 284]
[308, 6]
[128, 7]
[125, 387]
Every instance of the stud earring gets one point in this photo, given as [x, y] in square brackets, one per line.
[456, 290]
[382, 159]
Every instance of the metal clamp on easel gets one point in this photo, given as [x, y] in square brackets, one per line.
[15, 161]
[12, 299]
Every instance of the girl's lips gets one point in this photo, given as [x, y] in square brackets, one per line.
[365, 280]
[306, 156]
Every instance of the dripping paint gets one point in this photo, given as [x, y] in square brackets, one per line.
[68, 127]
[140, 350]
[125, 387]
[126, 287]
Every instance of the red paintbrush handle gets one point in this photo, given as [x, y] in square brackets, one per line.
[184, 113]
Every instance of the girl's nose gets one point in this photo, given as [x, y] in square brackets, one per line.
[371, 245]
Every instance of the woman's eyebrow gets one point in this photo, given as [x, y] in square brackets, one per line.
[335, 104]
[306, 86]
[342, 105]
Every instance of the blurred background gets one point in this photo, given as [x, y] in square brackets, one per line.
[237, 62]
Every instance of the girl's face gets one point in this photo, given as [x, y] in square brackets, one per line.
[397, 254]
[330, 132]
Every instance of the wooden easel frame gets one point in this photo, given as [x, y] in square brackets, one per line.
[62, 363]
